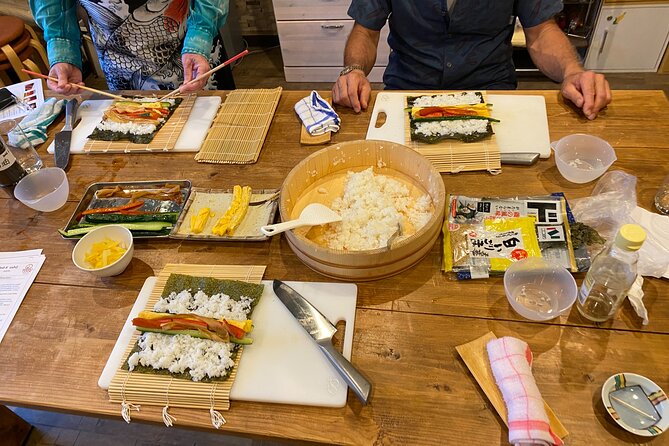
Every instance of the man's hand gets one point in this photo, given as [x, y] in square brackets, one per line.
[352, 90]
[194, 65]
[69, 76]
[587, 90]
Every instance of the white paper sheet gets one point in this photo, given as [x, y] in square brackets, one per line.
[17, 272]
[30, 94]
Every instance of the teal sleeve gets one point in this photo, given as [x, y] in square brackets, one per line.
[58, 19]
[205, 18]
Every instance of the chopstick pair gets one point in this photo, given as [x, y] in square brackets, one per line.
[203, 75]
[83, 87]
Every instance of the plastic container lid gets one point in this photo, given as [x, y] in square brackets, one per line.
[630, 237]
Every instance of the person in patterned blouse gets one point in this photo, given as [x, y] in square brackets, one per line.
[462, 45]
[141, 44]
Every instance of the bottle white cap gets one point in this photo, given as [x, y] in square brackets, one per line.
[630, 237]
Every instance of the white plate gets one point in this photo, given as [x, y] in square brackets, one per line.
[653, 391]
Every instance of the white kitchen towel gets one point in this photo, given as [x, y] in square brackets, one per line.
[511, 364]
[35, 124]
[317, 115]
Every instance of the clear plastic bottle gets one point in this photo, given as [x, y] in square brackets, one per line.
[611, 275]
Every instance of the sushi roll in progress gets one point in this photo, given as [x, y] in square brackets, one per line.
[462, 116]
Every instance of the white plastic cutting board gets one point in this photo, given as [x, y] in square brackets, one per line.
[523, 125]
[191, 137]
[283, 365]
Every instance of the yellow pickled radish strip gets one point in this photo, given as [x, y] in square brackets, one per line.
[226, 225]
[199, 221]
[221, 226]
[104, 253]
[240, 213]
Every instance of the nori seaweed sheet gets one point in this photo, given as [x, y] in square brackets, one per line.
[179, 282]
[184, 375]
[436, 138]
[108, 135]
[233, 288]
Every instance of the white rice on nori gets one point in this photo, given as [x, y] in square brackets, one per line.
[217, 306]
[126, 127]
[451, 127]
[447, 99]
[180, 353]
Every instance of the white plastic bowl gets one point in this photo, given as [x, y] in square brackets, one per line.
[539, 290]
[114, 232]
[582, 158]
[44, 190]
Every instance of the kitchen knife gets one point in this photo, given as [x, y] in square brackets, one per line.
[520, 158]
[64, 137]
[321, 330]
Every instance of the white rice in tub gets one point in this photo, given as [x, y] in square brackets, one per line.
[371, 207]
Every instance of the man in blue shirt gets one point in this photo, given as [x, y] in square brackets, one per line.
[461, 45]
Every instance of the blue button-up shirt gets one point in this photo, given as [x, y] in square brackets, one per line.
[468, 48]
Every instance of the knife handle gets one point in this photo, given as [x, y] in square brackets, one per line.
[351, 375]
[520, 158]
[71, 108]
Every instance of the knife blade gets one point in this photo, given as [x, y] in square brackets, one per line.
[321, 331]
[64, 137]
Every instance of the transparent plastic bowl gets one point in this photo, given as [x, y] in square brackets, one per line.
[539, 290]
[114, 232]
[44, 190]
[582, 158]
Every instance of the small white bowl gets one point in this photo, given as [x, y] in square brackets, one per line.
[538, 289]
[654, 393]
[44, 190]
[114, 232]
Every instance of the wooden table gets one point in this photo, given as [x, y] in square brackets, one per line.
[406, 326]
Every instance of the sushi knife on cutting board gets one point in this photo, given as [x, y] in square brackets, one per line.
[521, 133]
[284, 364]
[191, 137]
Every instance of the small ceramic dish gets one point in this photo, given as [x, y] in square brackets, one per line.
[112, 232]
[636, 403]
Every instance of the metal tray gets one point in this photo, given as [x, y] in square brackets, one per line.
[257, 216]
[89, 200]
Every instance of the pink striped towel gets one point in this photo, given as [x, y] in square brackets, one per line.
[511, 363]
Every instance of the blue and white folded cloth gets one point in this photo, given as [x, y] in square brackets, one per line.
[33, 127]
[317, 115]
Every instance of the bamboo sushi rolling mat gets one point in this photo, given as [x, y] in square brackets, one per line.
[455, 156]
[239, 129]
[165, 139]
[163, 390]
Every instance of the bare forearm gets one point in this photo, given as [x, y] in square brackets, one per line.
[361, 47]
[551, 51]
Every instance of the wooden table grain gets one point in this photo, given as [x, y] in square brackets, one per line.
[406, 328]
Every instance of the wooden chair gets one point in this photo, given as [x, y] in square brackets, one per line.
[20, 48]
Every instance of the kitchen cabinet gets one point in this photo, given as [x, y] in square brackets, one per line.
[629, 38]
[313, 34]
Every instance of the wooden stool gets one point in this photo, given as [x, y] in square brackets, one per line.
[18, 43]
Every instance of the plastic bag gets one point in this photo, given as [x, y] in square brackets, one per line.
[610, 206]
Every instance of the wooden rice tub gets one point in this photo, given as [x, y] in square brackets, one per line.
[320, 178]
